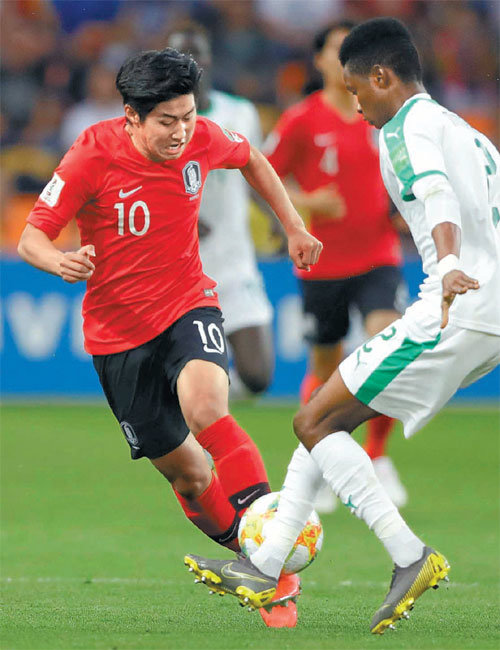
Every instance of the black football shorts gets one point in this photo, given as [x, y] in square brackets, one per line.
[140, 384]
[326, 303]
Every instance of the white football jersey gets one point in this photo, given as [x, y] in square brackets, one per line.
[423, 139]
[228, 253]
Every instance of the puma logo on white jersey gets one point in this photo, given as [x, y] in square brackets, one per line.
[395, 134]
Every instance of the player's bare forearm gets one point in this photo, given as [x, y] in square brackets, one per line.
[260, 174]
[38, 250]
[446, 237]
[303, 248]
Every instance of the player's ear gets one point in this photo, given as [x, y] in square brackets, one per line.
[132, 115]
[380, 76]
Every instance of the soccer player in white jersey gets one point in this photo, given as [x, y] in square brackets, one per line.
[444, 178]
[226, 247]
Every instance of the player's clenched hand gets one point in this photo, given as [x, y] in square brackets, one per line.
[454, 282]
[76, 266]
[327, 201]
[304, 249]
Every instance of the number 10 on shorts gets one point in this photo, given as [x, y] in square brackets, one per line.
[212, 338]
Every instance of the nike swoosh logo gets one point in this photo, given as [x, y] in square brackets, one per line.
[123, 195]
[227, 572]
[245, 499]
[221, 540]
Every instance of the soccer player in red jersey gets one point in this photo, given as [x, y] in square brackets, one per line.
[152, 321]
[330, 152]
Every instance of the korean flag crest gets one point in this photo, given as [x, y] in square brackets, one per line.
[192, 177]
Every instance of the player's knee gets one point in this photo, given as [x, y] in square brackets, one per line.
[256, 381]
[304, 425]
[206, 410]
[192, 482]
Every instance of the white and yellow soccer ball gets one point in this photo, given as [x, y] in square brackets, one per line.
[257, 522]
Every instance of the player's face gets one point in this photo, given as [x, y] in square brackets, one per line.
[373, 96]
[167, 129]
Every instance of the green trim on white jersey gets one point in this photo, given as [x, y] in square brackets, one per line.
[394, 138]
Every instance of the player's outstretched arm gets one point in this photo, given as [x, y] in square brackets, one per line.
[39, 251]
[446, 237]
[303, 248]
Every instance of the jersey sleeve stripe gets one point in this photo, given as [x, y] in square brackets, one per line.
[407, 195]
[394, 139]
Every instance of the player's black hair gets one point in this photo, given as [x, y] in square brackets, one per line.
[315, 81]
[155, 76]
[320, 37]
[382, 41]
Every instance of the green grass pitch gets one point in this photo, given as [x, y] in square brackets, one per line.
[93, 543]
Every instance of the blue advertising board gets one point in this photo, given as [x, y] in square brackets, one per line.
[41, 339]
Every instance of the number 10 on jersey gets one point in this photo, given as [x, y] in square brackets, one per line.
[131, 218]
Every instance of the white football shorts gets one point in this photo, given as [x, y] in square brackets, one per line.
[411, 369]
[244, 303]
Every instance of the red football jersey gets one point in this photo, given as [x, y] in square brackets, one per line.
[142, 218]
[314, 144]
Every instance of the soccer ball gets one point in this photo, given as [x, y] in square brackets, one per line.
[258, 521]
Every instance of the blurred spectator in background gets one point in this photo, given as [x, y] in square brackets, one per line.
[294, 23]
[74, 14]
[50, 47]
[245, 59]
[27, 39]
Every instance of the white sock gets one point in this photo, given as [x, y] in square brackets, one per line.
[349, 471]
[302, 482]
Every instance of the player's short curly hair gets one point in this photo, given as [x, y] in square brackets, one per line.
[155, 76]
[381, 41]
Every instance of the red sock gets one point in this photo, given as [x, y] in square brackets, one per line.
[308, 386]
[212, 513]
[378, 431]
[237, 460]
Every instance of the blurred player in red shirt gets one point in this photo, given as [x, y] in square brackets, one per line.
[331, 154]
[152, 321]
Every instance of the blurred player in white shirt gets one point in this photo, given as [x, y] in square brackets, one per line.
[226, 247]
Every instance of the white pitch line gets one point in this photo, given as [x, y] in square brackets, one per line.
[112, 580]
[158, 581]
[369, 584]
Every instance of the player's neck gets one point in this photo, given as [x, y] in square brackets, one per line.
[341, 100]
[404, 92]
